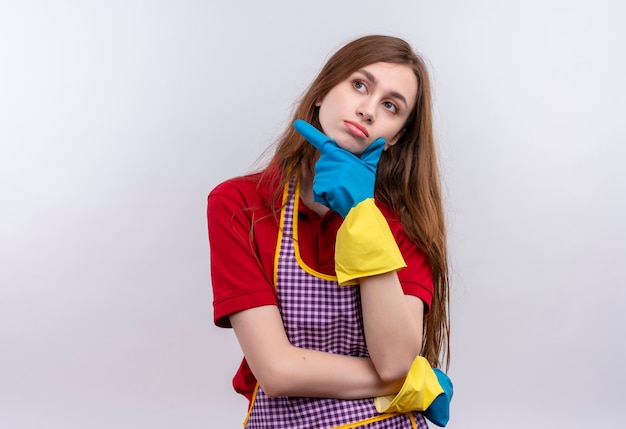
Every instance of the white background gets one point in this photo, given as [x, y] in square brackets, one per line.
[117, 118]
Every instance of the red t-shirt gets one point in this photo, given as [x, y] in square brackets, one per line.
[243, 236]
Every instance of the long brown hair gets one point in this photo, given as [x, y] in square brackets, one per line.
[408, 177]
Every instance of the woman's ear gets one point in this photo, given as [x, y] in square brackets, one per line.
[395, 139]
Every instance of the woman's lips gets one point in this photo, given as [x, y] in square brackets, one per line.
[356, 130]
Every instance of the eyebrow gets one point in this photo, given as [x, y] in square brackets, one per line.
[373, 79]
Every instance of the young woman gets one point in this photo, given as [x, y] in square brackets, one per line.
[330, 264]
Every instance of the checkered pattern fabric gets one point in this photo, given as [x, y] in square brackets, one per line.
[321, 315]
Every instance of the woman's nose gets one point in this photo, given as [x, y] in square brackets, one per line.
[366, 112]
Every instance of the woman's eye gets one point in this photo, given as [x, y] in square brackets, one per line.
[359, 86]
[390, 106]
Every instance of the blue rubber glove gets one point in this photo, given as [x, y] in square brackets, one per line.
[342, 179]
[439, 410]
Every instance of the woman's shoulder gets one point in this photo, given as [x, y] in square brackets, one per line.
[237, 185]
[248, 188]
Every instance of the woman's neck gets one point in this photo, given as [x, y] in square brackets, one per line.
[306, 194]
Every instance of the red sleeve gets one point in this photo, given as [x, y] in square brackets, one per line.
[416, 278]
[240, 273]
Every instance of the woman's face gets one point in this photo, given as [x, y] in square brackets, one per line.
[374, 101]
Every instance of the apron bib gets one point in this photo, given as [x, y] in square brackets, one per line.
[318, 314]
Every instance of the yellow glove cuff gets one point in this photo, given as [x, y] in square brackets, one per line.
[365, 245]
[419, 390]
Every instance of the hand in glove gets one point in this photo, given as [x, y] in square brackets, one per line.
[439, 410]
[345, 183]
[342, 179]
[425, 389]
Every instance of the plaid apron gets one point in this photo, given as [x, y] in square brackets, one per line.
[319, 314]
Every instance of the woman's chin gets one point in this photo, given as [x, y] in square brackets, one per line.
[351, 146]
